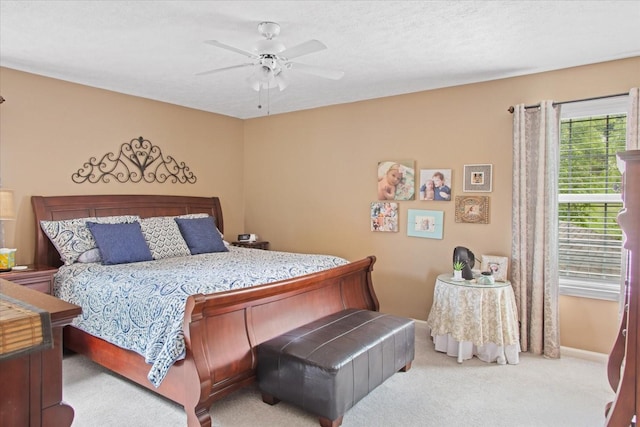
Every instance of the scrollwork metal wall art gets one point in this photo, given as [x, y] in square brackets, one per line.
[137, 160]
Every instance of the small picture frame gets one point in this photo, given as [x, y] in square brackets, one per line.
[427, 224]
[384, 216]
[472, 209]
[498, 265]
[478, 178]
[435, 184]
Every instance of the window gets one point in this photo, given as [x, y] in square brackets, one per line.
[589, 197]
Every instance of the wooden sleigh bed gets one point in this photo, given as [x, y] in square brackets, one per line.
[222, 329]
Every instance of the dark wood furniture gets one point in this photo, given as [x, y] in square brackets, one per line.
[37, 277]
[624, 359]
[32, 383]
[254, 245]
[221, 330]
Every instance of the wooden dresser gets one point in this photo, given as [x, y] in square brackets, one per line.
[31, 384]
[624, 359]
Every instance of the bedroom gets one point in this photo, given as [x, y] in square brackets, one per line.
[272, 184]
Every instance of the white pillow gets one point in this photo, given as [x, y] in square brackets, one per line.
[92, 255]
[72, 238]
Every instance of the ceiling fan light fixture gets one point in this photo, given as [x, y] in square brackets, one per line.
[254, 83]
[281, 81]
[264, 78]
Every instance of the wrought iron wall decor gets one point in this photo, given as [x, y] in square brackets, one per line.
[137, 160]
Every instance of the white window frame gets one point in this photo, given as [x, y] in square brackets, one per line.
[573, 110]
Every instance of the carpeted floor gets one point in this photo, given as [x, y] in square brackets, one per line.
[437, 391]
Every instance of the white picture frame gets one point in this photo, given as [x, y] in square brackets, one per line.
[498, 265]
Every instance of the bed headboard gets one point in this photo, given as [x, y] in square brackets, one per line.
[53, 208]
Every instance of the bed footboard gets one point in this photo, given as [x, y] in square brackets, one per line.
[225, 328]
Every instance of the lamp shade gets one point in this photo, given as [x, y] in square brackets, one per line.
[7, 207]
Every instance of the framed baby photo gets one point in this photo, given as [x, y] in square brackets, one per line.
[435, 184]
[426, 224]
[384, 216]
[498, 265]
[478, 178]
[472, 209]
[396, 180]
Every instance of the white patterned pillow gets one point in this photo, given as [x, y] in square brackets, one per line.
[163, 237]
[72, 238]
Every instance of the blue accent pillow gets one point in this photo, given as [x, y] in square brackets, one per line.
[120, 243]
[201, 235]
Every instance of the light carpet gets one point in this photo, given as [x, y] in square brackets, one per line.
[436, 391]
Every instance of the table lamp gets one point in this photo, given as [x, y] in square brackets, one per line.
[7, 210]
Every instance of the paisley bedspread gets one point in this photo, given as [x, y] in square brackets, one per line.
[140, 306]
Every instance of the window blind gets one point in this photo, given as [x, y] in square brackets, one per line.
[589, 183]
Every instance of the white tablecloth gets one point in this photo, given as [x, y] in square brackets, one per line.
[467, 319]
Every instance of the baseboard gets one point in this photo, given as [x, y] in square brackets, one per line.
[584, 354]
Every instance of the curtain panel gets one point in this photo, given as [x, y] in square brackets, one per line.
[535, 226]
[633, 120]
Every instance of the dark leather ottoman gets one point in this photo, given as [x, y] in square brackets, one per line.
[328, 365]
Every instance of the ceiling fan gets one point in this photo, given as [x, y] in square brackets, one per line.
[271, 60]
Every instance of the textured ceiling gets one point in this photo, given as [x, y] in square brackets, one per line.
[153, 49]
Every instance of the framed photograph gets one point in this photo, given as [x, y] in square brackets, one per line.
[435, 184]
[477, 178]
[384, 216]
[473, 209]
[425, 223]
[498, 265]
[396, 180]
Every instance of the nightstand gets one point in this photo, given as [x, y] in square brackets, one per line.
[37, 277]
[253, 245]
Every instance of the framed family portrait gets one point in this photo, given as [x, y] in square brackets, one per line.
[428, 224]
[384, 216]
[435, 184]
[473, 209]
[477, 178]
[498, 265]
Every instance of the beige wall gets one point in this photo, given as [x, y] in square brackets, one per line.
[311, 176]
[50, 128]
[305, 181]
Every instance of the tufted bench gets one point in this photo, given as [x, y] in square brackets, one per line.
[328, 365]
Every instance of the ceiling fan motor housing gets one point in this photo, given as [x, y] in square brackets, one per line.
[268, 46]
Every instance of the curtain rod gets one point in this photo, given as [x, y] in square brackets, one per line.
[512, 109]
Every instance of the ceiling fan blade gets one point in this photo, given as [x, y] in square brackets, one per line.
[305, 48]
[216, 43]
[326, 73]
[217, 70]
